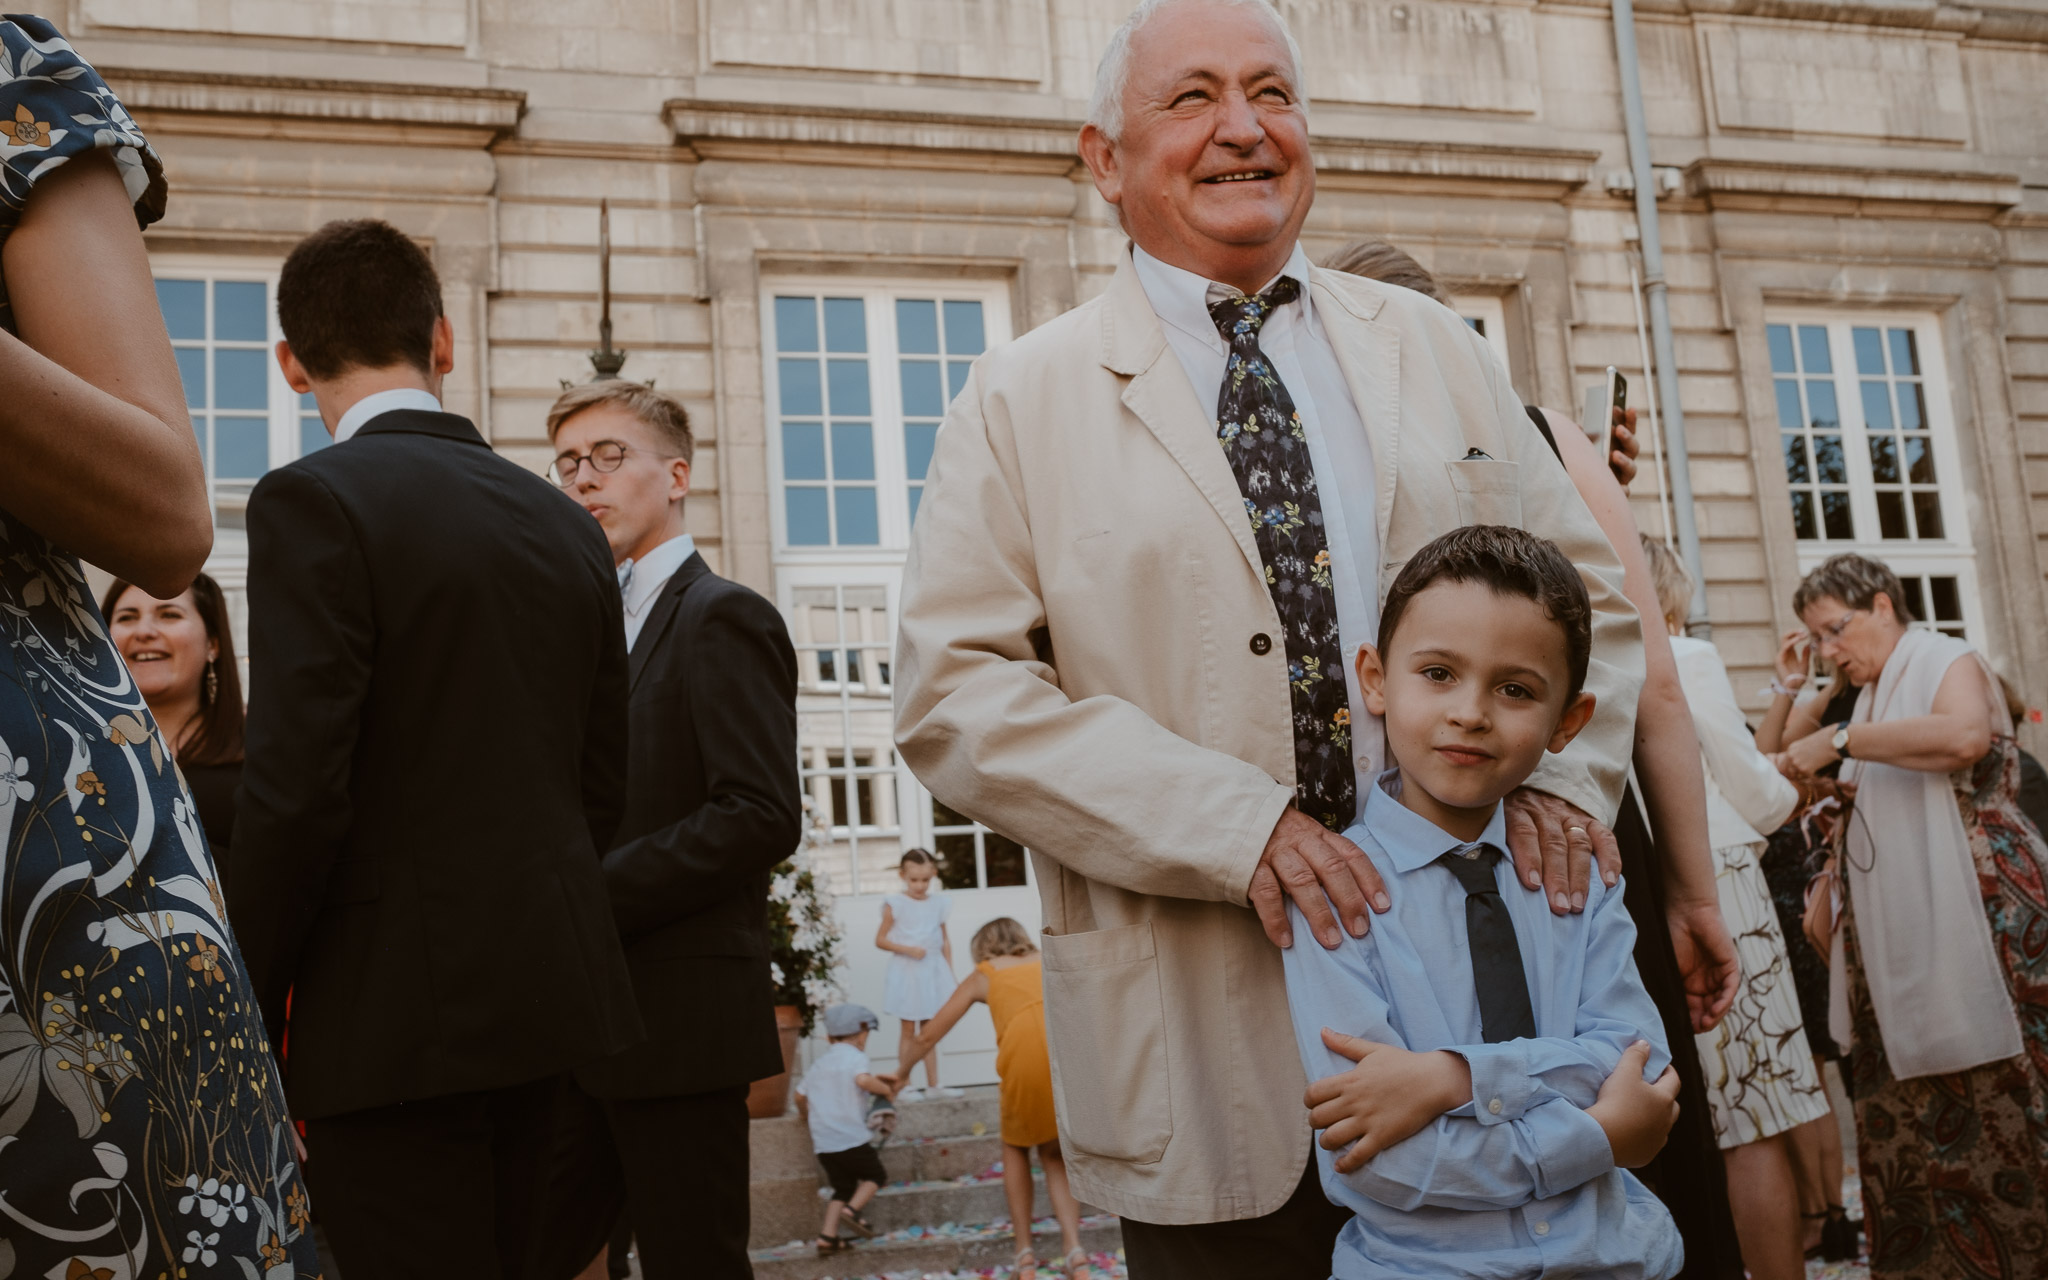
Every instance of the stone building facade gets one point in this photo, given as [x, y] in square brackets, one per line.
[821, 210]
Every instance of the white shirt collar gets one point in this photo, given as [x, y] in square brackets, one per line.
[1181, 298]
[642, 579]
[383, 402]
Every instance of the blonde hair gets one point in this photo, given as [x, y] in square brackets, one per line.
[662, 413]
[1670, 579]
[1001, 936]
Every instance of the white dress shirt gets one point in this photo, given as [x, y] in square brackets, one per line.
[1338, 447]
[640, 581]
[383, 402]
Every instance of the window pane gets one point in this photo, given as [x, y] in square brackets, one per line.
[917, 326]
[1820, 400]
[1905, 352]
[846, 324]
[1803, 525]
[858, 525]
[848, 380]
[1927, 514]
[955, 854]
[1884, 460]
[238, 307]
[1790, 415]
[184, 308]
[919, 439]
[1919, 460]
[956, 377]
[242, 450]
[809, 523]
[853, 451]
[1813, 349]
[963, 331]
[796, 324]
[1796, 469]
[1912, 407]
[797, 380]
[199, 431]
[241, 379]
[192, 372]
[803, 451]
[1004, 859]
[1827, 459]
[313, 436]
[1891, 515]
[1869, 351]
[1916, 598]
[1877, 405]
[922, 397]
[1834, 508]
[1948, 599]
[1780, 336]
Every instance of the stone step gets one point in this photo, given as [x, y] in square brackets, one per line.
[924, 1250]
[794, 1210]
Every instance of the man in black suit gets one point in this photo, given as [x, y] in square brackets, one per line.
[712, 804]
[436, 759]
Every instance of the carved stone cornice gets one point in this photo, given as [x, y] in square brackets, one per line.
[759, 131]
[221, 104]
[1940, 193]
[2025, 23]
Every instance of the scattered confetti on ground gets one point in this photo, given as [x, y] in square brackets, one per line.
[1102, 1266]
[1045, 1230]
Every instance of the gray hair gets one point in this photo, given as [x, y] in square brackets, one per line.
[1855, 581]
[1113, 73]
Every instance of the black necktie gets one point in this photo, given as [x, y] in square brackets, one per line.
[1263, 437]
[1504, 1012]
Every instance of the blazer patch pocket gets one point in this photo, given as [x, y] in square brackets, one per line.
[1489, 490]
[1107, 1023]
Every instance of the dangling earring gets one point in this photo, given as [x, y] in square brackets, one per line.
[212, 683]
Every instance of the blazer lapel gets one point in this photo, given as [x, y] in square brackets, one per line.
[663, 613]
[1159, 393]
[1369, 353]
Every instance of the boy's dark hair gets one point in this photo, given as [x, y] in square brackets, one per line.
[359, 295]
[1513, 563]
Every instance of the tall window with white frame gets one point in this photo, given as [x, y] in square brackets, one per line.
[859, 378]
[1869, 451]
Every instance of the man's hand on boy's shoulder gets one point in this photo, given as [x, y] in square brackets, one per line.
[1636, 1115]
[1314, 867]
[1390, 1096]
[1555, 844]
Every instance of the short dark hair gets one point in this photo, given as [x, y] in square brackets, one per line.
[215, 735]
[1378, 260]
[1513, 563]
[359, 295]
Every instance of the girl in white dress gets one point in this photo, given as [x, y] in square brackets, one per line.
[921, 959]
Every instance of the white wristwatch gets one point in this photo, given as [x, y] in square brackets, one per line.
[1841, 740]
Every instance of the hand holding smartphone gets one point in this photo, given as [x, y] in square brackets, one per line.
[1604, 411]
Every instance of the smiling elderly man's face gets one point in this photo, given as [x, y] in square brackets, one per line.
[1212, 172]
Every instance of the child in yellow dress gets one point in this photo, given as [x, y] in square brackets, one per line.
[1007, 977]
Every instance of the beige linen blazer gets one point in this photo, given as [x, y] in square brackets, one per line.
[1076, 668]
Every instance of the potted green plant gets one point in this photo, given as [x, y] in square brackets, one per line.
[803, 957]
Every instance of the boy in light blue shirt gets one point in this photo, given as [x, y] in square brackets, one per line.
[1485, 1072]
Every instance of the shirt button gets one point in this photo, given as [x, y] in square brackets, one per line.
[1262, 644]
[1542, 1228]
[1493, 1106]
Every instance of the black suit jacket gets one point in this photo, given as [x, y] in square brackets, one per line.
[712, 804]
[436, 755]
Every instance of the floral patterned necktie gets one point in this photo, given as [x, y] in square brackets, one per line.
[1262, 435]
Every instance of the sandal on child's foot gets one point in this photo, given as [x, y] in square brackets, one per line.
[1025, 1267]
[1813, 1250]
[1841, 1238]
[829, 1245]
[859, 1224]
[1076, 1265]
[910, 1093]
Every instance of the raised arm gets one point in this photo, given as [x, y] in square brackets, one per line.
[972, 988]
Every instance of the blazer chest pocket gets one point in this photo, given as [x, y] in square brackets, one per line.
[1489, 491]
[1106, 1020]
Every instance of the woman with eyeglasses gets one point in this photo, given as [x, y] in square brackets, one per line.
[1934, 915]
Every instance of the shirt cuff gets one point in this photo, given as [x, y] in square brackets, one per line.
[1572, 1148]
[1502, 1087]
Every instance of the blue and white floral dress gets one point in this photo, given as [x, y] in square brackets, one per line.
[142, 1123]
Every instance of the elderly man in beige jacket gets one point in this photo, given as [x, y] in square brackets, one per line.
[1103, 658]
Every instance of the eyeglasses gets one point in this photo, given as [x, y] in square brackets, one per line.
[1832, 632]
[604, 458]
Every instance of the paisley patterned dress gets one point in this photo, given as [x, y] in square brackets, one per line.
[1955, 1167]
[143, 1131]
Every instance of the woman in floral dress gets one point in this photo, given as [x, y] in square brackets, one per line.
[142, 1124]
[1939, 968]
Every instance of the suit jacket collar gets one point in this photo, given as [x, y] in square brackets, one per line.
[661, 614]
[448, 426]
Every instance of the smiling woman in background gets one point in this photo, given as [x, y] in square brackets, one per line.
[183, 659]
